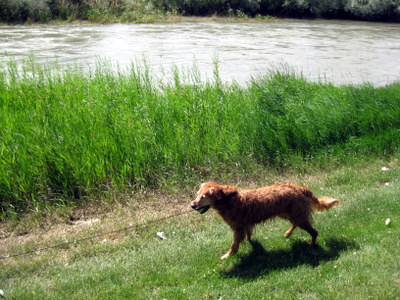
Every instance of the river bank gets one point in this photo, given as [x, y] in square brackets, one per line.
[178, 258]
[151, 11]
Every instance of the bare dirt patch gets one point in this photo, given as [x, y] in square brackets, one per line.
[53, 227]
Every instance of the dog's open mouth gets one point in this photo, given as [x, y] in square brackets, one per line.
[202, 209]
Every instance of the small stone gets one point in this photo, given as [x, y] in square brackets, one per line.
[161, 235]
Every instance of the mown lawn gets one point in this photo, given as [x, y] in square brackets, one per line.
[357, 257]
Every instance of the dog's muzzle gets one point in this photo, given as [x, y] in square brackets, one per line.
[201, 209]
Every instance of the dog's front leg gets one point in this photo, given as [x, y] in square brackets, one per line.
[290, 231]
[238, 237]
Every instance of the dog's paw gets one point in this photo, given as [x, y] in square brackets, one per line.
[225, 256]
[312, 245]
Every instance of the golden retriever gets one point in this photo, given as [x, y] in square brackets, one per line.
[243, 209]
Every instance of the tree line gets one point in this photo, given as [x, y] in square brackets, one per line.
[20, 11]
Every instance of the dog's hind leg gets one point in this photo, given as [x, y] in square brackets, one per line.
[290, 231]
[238, 237]
[249, 232]
[311, 230]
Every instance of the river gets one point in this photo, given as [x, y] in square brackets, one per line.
[342, 52]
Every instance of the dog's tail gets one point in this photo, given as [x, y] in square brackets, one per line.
[324, 202]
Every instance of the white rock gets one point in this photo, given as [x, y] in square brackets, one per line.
[1, 293]
[387, 222]
[385, 169]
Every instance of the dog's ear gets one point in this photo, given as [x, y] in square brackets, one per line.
[223, 192]
[229, 190]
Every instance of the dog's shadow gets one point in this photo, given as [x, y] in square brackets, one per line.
[260, 262]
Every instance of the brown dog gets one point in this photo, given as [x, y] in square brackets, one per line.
[243, 209]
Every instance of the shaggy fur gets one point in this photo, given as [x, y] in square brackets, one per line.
[243, 209]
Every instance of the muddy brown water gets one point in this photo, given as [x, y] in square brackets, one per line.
[341, 52]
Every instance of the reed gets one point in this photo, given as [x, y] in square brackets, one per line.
[67, 134]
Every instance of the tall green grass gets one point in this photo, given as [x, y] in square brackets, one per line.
[67, 134]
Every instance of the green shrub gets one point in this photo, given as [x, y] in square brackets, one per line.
[24, 10]
[14, 11]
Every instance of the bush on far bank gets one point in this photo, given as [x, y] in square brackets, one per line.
[21, 11]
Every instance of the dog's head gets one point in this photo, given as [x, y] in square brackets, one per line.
[209, 194]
